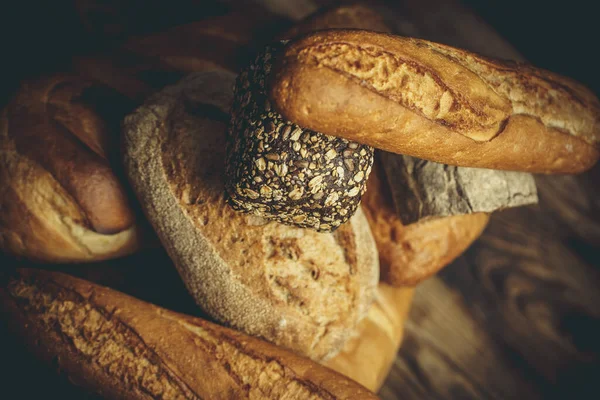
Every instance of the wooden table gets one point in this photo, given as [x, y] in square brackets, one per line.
[517, 316]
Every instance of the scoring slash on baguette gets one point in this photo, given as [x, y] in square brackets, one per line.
[60, 198]
[295, 287]
[414, 97]
[123, 348]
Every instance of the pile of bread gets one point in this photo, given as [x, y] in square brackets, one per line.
[97, 162]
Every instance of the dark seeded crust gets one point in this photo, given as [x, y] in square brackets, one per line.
[281, 172]
[435, 102]
[122, 348]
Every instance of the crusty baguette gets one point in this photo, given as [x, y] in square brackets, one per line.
[408, 254]
[60, 198]
[414, 97]
[297, 288]
[124, 348]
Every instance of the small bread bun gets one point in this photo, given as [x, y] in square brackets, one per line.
[435, 102]
[60, 196]
[278, 171]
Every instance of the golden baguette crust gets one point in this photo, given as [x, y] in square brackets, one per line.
[418, 98]
[409, 254]
[124, 348]
[295, 287]
[62, 200]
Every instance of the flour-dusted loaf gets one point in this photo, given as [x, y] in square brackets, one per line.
[435, 102]
[298, 288]
[61, 194]
[120, 347]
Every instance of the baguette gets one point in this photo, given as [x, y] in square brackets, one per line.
[60, 196]
[414, 97]
[123, 348]
[297, 288]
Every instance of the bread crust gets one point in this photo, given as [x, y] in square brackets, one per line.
[297, 288]
[409, 254]
[63, 201]
[123, 348]
[435, 102]
[368, 356]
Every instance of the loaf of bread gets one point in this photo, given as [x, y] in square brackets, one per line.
[123, 348]
[294, 287]
[408, 254]
[435, 102]
[60, 196]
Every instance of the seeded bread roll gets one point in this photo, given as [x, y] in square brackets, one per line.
[300, 289]
[278, 171]
[60, 193]
[120, 347]
[436, 102]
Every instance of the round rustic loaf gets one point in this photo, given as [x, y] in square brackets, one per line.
[298, 288]
[60, 195]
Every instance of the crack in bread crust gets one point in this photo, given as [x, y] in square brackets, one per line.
[411, 84]
[558, 102]
[258, 375]
[100, 337]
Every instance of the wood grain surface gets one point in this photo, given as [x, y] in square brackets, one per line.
[516, 317]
